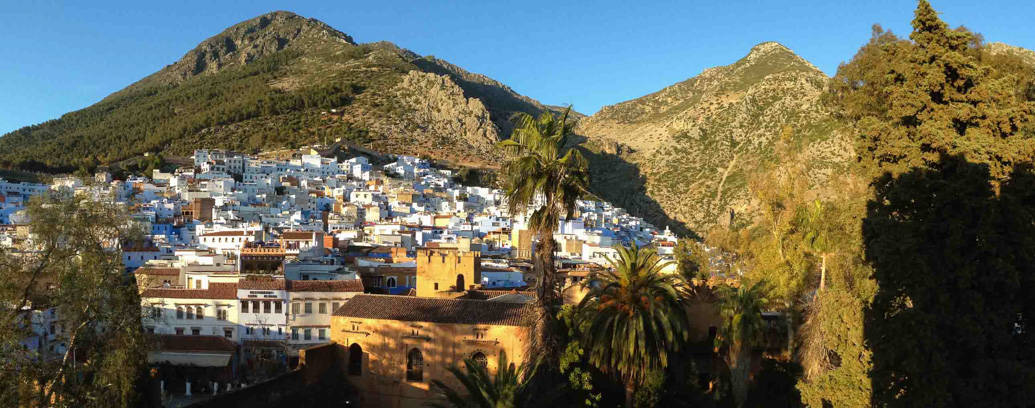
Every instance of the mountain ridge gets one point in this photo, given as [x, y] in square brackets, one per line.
[695, 144]
[681, 156]
[270, 81]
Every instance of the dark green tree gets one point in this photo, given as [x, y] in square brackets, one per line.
[741, 309]
[71, 263]
[636, 317]
[955, 265]
[482, 389]
[913, 100]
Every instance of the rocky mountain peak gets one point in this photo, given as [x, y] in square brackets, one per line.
[774, 57]
[695, 144]
[247, 41]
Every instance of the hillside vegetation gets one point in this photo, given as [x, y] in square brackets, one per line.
[697, 143]
[273, 82]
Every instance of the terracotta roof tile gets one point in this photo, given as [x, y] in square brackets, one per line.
[485, 294]
[264, 283]
[346, 285]
[433, 310]
[216, 290]
[226, 234]
[172, 342]
[158, 271]
[297, 235]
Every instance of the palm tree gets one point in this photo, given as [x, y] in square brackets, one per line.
[742, 326]
[816, 236]
[505, 390]
[545, 176]
[636, 317]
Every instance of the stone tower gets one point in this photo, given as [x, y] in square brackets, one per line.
[443, 272]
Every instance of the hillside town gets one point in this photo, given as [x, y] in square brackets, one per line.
[284, 216]
[244, 262]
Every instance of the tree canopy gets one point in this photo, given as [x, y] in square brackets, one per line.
[69, 271]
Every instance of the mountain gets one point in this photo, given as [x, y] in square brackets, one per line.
[1024, 55]
[683, 156]
[282, 80]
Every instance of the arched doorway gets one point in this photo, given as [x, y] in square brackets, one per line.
[480, 359]
[460, 282]
[414, 366]
[355, 359]
[391, 282]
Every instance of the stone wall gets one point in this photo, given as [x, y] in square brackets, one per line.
[317, 381]
[383, 346]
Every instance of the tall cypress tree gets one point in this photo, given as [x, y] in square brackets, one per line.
[948, 231]
[916, 100]
[955, 265]
[947, 136]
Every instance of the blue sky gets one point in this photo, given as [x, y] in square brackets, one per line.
[61, 56]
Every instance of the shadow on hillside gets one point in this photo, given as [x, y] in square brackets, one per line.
[955, 265]
[501, 102]
[620, 182]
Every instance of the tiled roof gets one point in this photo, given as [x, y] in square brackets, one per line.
[297, 235]
[485, 294]
[216, 290]
[172, 342]
[158, 271]
[225, 234]
[346, 285]
[264, 283]
[433, 310]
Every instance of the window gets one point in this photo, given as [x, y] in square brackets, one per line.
[436, 285]
[266, 308]
[195, 331]
[323, 308]
[391, 282]
[179, 331]
[197, 284]
[221, 314]
[228, 333]
[265, 331]
[280, 331]
[321, 334]
[294, 308]
[156, 312]
[308, 334]
[278, 307]
[294, 333]
[199, 313]
[414, 366]
[150, 330]
[334, 306]
[308, 307]
[248, 330]
[244, 306]
[355, 359]
[479, 334]
[179, 312]
[479, 358]
[190, 313]
[255, 306]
